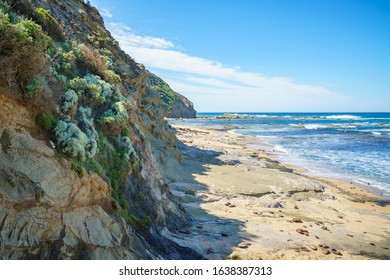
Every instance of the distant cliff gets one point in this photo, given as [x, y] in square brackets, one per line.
[84, 146]
[174, 104]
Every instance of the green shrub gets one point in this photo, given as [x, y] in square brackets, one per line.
[63, 59]
[22, 50]
[127, 148]
[78, 168]
[69, 101]
[71, 140]
[92, 87]
[117, 113]
[140, 224]
[126, 132]
[35, 88]
[46, 121]
[90, 165]
[112, 162]
[4, 22]
[79, 85]
[85, 122]
[93, 166]
[112, 77]
[21, 30]
[4, 7]
[90, 59]
[105, 52]
[49, 23]
[29, 31]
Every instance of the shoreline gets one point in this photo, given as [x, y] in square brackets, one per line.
[248, 205]
[278, 155]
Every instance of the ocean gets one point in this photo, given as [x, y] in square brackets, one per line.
[349, 146]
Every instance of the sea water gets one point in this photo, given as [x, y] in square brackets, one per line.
[350, 146]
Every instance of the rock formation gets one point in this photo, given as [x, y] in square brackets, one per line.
[174, 104]
[84, 147]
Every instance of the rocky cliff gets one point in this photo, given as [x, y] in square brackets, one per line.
[174, 104]
[85, 151]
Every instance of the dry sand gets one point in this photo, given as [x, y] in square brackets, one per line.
[247, 205]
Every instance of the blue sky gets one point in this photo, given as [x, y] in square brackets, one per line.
[262, 55]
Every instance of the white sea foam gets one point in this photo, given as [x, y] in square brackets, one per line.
[348, 126]
[343, 117]
[280, 149]
[315, 126]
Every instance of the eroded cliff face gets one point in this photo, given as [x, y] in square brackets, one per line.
[182, 108]
[85, 151]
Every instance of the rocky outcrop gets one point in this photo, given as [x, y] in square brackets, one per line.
[182, 108]
[84, 147]
[174, 104]
[47, 211]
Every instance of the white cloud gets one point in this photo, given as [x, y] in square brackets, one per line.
[106, 12]
[213, 86]
[127, 38]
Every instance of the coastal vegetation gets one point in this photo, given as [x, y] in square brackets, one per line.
[89, 123]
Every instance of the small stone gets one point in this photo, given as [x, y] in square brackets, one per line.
[242, 246]
[350, 235]
[296, 220]
[334, 251]
[256, 213]
[386, 248]
[281, 216]
[339, 216]
[305, 249]
[199, 226]
[323, 246]
[372, 244]
[325, 251]
[296, 207]
[231, 205]
[316, 236]
[324, 228]
[227, 203]
[224, 234]
[314, 248]
[210, 250]
[184, 231]
[281, 230]
[302, 231]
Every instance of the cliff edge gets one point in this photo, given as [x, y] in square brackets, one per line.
[83, 143]
[174, 104]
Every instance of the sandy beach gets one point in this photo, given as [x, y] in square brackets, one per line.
[247, 205]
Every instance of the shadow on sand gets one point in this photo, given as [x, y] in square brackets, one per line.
[211, 236]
